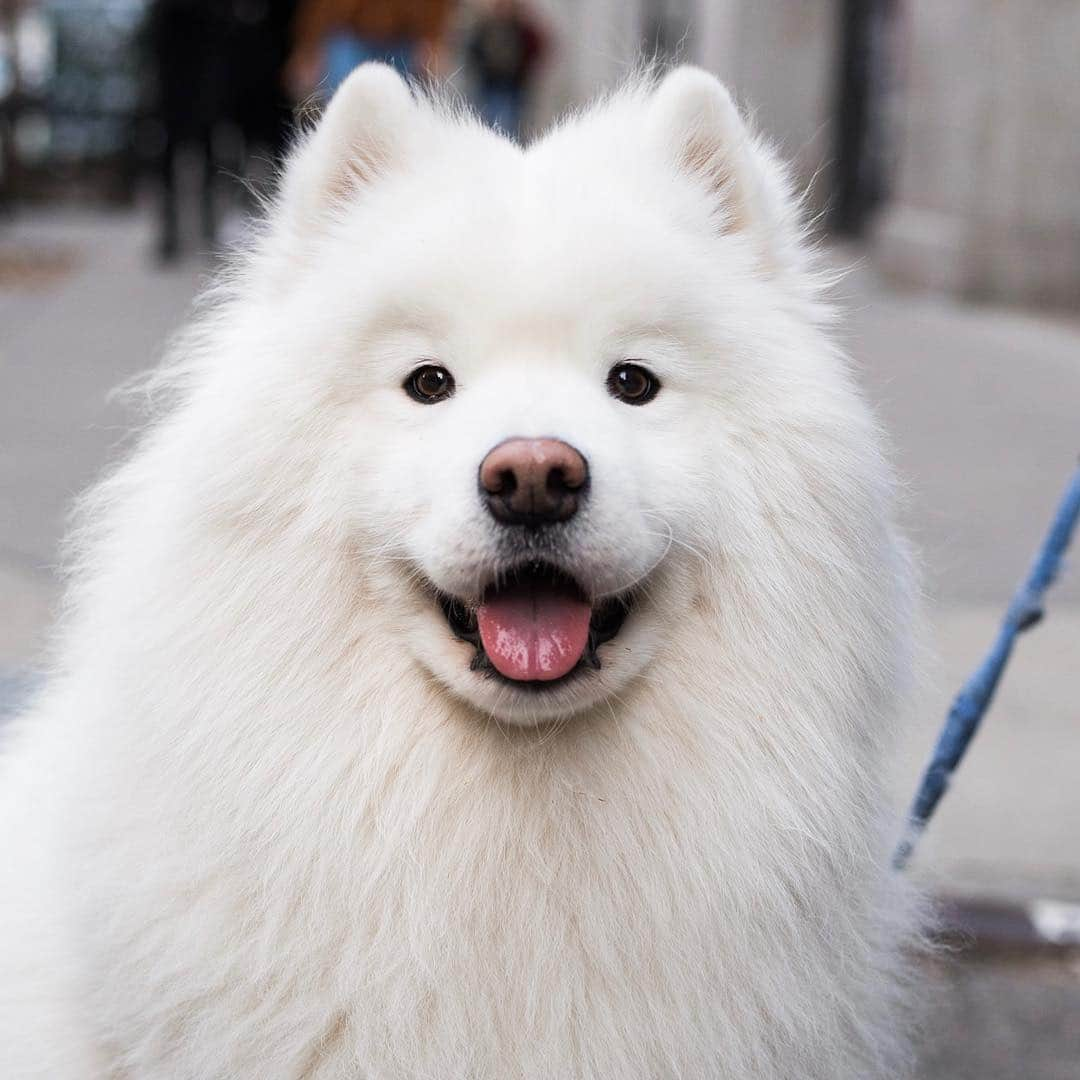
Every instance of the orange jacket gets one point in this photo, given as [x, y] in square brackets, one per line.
[378, 20]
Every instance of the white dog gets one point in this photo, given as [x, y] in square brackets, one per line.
[486, 666]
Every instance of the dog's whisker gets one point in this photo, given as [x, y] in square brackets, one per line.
[639, 578]
[670, 536]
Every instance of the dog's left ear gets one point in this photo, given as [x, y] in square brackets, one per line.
[363, 135]
[704, 136]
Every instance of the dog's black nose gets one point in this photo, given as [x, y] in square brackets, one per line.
[533, 482]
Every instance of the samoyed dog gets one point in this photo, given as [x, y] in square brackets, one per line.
[485, 666]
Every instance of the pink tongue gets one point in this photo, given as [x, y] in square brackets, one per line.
[532, 632]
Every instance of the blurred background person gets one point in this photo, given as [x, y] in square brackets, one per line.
[187, 44]
[332, 37]
[217, 71]
[259, 40]
[504, 47]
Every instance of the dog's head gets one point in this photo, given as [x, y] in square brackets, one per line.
[542, 390]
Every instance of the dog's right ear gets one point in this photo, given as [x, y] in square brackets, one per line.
[362, 134]
[705, 137]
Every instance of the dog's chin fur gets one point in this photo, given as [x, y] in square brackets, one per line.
[266, 822]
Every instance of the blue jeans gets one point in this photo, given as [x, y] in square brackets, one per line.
[343, 51]
[500, 107]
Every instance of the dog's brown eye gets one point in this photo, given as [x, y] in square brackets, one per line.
[632, 383]
[429, 384]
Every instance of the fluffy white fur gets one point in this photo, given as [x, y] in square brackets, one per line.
[265, 822]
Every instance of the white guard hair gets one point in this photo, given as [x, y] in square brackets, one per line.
[266, 822]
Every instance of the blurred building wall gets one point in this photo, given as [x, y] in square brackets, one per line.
[987, 200]
[779, 60]
[777, 57]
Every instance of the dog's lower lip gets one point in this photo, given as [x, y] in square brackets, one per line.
[605, 622]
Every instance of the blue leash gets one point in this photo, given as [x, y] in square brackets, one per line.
[974, 699]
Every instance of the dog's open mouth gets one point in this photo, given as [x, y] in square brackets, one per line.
[535, 625]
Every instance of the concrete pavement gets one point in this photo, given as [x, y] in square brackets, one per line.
[983, 407]
[96, 314]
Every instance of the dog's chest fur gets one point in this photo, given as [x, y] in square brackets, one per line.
[634, 896]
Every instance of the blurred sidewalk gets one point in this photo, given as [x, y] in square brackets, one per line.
[983, 407]
[82, 308]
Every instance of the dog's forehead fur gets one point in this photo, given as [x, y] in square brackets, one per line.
[603, 220]
[488, 267]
